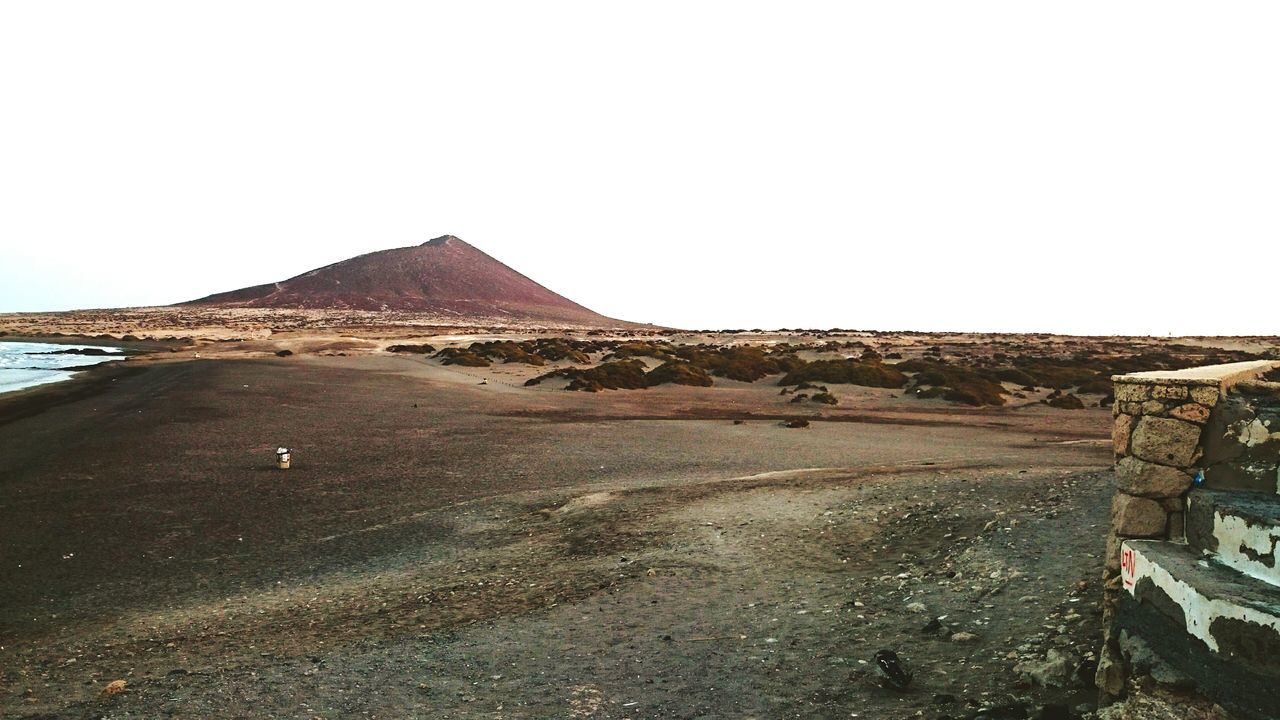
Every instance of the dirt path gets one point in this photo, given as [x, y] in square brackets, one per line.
[452, 560]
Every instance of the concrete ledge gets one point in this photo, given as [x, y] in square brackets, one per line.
[1220, 376]
[1241, 528]
[1236, 616]
[1242, 690]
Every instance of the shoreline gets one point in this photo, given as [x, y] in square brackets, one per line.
[85, 382]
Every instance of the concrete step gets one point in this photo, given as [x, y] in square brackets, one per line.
[1240, 529]
[1236, 617]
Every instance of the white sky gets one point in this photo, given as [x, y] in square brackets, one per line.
[1091, 167]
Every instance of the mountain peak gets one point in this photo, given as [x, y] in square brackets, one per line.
[434, 277]
[443, 240]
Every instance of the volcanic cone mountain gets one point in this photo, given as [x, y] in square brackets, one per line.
[444, 276]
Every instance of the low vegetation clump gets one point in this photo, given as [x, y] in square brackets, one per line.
[1057, 375]
[1100, 385]
[657, 351]
[423, 349]
[1064, 401]
[745, 363]
[825, 398]
[553, 349]
[507, 351]
[1013, 375]
[458, 356]
[850, 372]
[615, 375]
[677, 372]
[954, 383]
[529, 352]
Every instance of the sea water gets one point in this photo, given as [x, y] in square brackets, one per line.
[24, 364]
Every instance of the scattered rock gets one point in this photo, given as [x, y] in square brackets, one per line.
[1065, 401]
[1111, 673]
[115, 687]
[894, 672]
[1054, 671]
[964, 637]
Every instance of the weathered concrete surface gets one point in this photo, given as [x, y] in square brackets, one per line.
[1242, 529]
[1243, 691]
[1242, 440]
[1208, 600]
[1210, 375]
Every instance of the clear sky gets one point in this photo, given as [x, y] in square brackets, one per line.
[1090, 167]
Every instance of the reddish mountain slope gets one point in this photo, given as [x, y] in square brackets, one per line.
[444, 275]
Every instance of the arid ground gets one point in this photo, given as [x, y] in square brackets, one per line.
[448, 549]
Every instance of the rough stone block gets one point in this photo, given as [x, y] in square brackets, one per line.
[1130, 408]
[1149, 480]
[1120, 433]
[1155, 407]
[1113, 556]
[1135, 517]
[1166, 441]
[1191, 412]
[1132, 392]
[1205, 395]
[1177, 529]
[1169, 392]
[1110, 675]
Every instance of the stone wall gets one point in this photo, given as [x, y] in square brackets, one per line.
[1174, 432]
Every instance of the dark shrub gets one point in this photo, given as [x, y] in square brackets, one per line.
[617, 375]
[851, 372]
[1015, 376]
[419, 349]
[825, 398]
[1066, 402]
[678, 373]
[1100, 385]
[283, 353]
[508, 352]
[657, 351]
[797, 423]
[954, 383]
[458, 356]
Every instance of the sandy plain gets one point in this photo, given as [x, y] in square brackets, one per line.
[449, 549]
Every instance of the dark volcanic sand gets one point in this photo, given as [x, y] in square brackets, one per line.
[499, 552]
